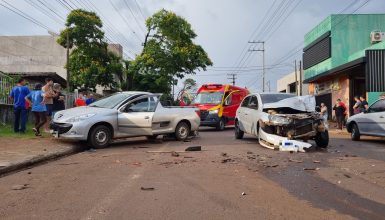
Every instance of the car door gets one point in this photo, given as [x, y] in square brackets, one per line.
[230, 106]
[253, 115]
[373, 122]
[242, 114]
[135, 118]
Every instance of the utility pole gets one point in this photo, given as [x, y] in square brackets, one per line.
[68, 62]
[232, 77]
[263, 60]
[268, 85]
[300, 77]
[296, 79]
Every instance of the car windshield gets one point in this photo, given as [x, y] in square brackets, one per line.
[271, 98]
[111, 101]
[208, 98]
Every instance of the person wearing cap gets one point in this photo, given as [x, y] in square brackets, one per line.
[35, 99]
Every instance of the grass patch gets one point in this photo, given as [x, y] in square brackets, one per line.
[7, 131]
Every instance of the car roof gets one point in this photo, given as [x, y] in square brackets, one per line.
[270, 93]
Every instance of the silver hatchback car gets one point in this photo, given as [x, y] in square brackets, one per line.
[125, 114]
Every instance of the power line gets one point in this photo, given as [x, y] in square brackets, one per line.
[133, 15]
[140, 10]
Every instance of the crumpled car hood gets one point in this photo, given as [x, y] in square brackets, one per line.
[300, 103]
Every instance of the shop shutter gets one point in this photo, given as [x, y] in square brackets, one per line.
[375, 70]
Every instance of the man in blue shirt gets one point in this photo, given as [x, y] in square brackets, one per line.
[35, 99]
[18, 94]
[90, 100]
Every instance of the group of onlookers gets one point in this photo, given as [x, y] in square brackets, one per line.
[340, 110]
[44, 102]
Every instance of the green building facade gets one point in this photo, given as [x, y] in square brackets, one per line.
[342, 58]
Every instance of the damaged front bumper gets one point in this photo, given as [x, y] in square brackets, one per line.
[283, 131]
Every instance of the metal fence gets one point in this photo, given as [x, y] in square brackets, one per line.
[6, 84]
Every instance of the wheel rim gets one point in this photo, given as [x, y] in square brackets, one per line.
[354, 131]
[101, 136]
[237, 130]
[182, 132]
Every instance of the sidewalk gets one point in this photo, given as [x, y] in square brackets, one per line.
[19, 153]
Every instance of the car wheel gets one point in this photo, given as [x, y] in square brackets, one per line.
[100, 137]
[355, 133]
[221, 125]
[182, 131]
[322, 139]
[238, 132]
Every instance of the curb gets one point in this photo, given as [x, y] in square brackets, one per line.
[21, 164]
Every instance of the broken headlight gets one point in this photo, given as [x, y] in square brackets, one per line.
[280, 119]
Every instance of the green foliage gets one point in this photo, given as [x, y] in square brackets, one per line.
[90, 62]
[168, 53]
[189, 84]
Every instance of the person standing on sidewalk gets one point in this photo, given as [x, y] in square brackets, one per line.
[357, 105]
[35, 98]
[18, 94]
[80, 101]
[342, 104]
[58, 100]
[324, 113]
[49, 94]
[339, 111]
[90, 99]
[364, 104]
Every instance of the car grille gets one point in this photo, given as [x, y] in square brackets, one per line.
[303, 129]
[204, 115]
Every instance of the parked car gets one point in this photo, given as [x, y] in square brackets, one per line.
[277, 117]
[125, 114]
[371, 123]
[218, 104]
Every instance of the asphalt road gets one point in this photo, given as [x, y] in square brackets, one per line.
[229, 179]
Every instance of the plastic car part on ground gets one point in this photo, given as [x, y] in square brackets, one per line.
[273, 141]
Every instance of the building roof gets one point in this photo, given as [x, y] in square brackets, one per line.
[41, 76]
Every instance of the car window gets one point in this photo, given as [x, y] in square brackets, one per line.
[378, 106]
[245, 102]
[153, 102]
[141, 105]
[253, 102]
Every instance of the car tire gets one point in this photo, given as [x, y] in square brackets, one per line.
[238, 132]
[182, 131]
[355, 135]
[322, 139]
[221, 125]
[99, 137]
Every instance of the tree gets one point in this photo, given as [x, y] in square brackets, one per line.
[189, 84]
[90, 63]
[168, 53]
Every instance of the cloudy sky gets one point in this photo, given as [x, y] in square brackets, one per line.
[224, 28]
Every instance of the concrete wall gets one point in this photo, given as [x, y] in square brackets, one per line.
[32, 54]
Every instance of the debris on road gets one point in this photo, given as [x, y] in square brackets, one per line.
[187, 157]
[296, 161]
[194, 148]
[274, 165]
[316, 161]
[243, 194]
[136, 163]
[147, 188]
[347, 176]
[224, 154]
[352, 155]
[227, 160]
[249, 152]
[174, 154]
[311, 168]
[294, 146]
[20, 187]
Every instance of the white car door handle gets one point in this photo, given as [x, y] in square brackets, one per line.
[146, 117]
